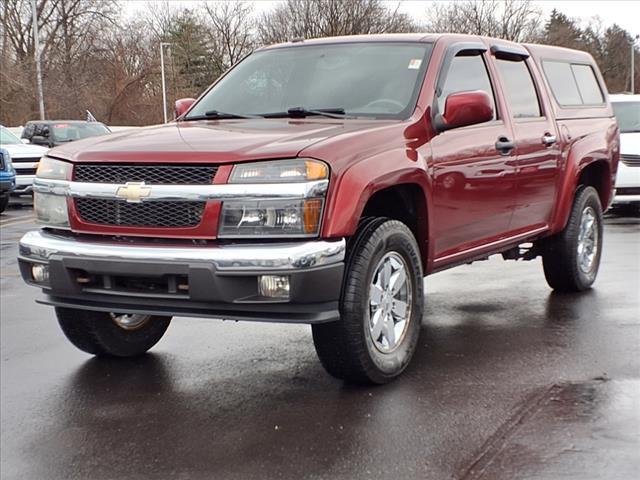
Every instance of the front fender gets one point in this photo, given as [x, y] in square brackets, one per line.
[349, 194]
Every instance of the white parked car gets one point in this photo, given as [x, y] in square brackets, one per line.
[25, 158]
[627, 110]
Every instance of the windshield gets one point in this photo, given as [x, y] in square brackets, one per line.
[628, 115]
[8, 138]
[66, 132]
[379, 80]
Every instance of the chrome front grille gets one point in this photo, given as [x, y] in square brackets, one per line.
[150, 174]
[15, 159]
[151, 214]
[166, 214]
[630, 160]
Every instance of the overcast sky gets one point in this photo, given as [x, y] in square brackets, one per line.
[625, 13]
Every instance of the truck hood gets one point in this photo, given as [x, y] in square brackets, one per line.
[24, 150]
[224, 141]
[630, 143]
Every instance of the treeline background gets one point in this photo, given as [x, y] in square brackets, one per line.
[94, 57]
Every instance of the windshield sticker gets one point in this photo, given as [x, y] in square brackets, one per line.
[61, 125]
[415, 63]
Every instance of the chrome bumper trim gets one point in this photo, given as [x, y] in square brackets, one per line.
[39, 245]
[195, 193]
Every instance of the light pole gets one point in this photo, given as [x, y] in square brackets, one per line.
[164, 89]
[633, 70]
[36, 55]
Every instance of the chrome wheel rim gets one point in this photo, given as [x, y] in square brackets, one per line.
[390, 293]
[588, 240]
[130, 321]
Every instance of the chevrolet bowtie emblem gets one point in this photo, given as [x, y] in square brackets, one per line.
[133, 192]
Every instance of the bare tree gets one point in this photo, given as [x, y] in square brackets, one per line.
[231, 30]
[325, 18]
[516, 20]
[69, 32]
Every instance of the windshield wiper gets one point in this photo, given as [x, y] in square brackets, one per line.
[218, 115]
[302, 112]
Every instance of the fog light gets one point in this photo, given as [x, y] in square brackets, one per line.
[273, 286]
[40, 273]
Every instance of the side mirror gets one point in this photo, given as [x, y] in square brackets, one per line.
[25, 140]
[40, 140]
[183, 105]
[465, 108]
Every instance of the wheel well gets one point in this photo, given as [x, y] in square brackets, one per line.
[405, 203]
[596, 175]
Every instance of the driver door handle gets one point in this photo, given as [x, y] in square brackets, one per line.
[548, 139]
[504, 145]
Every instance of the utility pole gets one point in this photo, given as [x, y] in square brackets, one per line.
[633, 69]
[36, 54]
[164, 89]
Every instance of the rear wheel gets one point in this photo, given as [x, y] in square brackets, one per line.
[111, 334]
[381, 307]
[571, 259]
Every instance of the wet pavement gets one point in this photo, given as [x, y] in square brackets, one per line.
[510, 381]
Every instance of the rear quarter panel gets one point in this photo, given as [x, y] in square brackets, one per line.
[585, 141]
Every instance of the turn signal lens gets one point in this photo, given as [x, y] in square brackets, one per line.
[311, 213]
[316, 170]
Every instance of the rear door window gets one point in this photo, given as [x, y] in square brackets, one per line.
[520, 89]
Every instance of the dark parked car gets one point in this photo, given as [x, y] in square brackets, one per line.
[7, 178]
[51, 133]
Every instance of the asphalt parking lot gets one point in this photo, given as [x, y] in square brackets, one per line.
[510, 381]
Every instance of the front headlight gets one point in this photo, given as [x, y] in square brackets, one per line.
[51, 210]
[269, 218]
[280, 171]
[52, 169]
[274, 218]
[6, 161]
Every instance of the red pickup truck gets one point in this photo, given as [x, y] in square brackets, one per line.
[319, 182]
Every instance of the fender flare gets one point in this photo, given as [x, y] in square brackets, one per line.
[580, 155]
[348, 197]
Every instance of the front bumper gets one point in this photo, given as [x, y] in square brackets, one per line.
[627, 185]
[210, 280]
[6, 186]
[24, 184]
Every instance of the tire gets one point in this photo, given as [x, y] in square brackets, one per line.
[99, 333]
[347, 348]
[4, 201]
[571, 258]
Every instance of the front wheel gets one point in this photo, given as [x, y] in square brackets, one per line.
[4, 201]
[381, 307]
[571, 259]
[111, 334]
